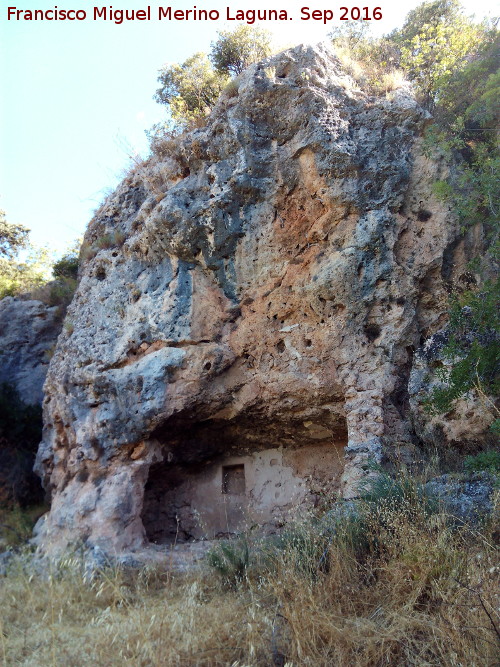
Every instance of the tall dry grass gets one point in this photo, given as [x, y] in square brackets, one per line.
[394, 584]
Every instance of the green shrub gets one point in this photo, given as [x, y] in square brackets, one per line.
[488, 461]
[66, 267]
[231, 560]
[402, 493]
[473, 350]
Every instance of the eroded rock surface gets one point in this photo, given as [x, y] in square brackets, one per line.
[28, 335]
[259, 285]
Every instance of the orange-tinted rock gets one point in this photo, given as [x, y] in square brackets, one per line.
[260, 289]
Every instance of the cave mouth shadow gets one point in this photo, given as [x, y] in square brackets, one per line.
[218, 480]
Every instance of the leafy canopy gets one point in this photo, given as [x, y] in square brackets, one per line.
[191, 89]
[436, 41]
[237, 49]
[20, 275]
[25, 268]
[12, 237]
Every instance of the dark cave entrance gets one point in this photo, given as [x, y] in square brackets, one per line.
[220, 479]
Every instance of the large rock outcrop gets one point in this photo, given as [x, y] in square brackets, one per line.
[28, 334]
[248, 314]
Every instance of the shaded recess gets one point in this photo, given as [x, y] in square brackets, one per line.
[218, 478]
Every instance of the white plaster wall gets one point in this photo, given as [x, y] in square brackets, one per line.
[278, 482]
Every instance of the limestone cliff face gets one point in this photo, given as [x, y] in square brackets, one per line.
[259, 285]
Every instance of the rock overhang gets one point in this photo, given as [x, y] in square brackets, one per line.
[263, 272]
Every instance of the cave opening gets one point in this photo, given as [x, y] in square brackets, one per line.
[217, 480]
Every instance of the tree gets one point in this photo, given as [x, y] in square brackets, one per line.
[348, 35]
[67, 265]
[190, 89]
[12, 237]
[237, 49]
[20, 275]
[433, 13]
[436, 41]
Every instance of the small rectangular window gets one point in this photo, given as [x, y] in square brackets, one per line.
[233, 479]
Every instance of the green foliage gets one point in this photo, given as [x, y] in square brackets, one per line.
[488, 461]
[65, 272]
[231, 560]
[29, 271]
[400, 494]
[237, 49]
[473, 349]
[61, 292]
[372, 62]
[303, 545]
[12, 238]
[67, 266]
[190, 89]
[21, 276]
[351, 34]
[470, 99]
[436, 41]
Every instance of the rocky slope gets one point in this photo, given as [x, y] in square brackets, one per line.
[259, 285]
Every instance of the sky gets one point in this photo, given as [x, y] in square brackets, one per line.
[77, 97]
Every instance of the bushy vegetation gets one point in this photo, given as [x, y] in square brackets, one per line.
[191, 89]
[20, 275]
[473, 350]
[35, 272]
[488, 461]
[237, 49]
[386, 583]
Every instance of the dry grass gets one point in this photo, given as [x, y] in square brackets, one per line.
[369, 74]
[401, 588]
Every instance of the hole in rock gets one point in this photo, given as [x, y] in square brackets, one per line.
[424, 215]
[220, 477]
[372, 332]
